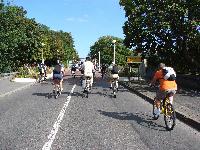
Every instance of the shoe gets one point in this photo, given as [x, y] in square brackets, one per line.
[54, 91]
[110, 87]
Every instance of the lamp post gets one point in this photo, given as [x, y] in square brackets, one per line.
[99, 62]
[114, 41]
[42, 53]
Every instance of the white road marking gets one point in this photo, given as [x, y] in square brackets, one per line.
[51, 137]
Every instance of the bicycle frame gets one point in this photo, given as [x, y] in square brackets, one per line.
[114, 86]
[87, 85]
[168, 110]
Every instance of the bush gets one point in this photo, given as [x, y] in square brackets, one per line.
[27, 72]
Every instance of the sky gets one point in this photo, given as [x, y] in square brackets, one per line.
[87, 20]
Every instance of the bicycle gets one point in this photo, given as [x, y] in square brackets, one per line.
[103, 74]
[73, 74]
[87, 86]
[57, 90]
[41, 78]
[114, 87]
[168, 110]
[81, 79]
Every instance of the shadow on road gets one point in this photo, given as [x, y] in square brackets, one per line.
[137, 117]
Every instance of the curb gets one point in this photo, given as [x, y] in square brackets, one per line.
[187, 120]
[23, 80]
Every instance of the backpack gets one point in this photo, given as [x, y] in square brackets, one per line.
[115, 70]
[169, 74]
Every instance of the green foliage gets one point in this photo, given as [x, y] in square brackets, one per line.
[164, 31]
[25, 72]
[23, 40]
[106, 48]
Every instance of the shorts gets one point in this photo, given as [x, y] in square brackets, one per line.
[162, 94]
[88, 74]
[57, 76]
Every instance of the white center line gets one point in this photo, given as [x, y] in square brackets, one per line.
[52, 135]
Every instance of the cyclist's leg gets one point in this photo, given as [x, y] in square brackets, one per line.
[61, 84]
[111, 81]
[171, 94]
[54, 86]
[159, 96]
[91, 80]
[117, 85]
[84, 82]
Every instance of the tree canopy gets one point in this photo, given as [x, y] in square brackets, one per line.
[164, 30]
[105, 45]
[23, 40]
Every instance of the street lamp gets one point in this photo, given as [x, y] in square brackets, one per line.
[114, 41]
[42, 53]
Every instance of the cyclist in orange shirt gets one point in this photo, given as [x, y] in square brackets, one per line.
[165, 86]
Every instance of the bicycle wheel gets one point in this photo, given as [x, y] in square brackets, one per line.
[114, 89]
[114, 92]
[87, 93]
[155, 116]
[169, 116]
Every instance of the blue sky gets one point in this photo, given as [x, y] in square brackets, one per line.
[87, 20]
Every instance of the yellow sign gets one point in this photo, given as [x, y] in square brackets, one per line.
[136, 59]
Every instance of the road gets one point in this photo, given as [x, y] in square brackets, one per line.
[30, 120]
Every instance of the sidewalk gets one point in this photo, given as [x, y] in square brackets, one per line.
[187, 103]
[7, 87]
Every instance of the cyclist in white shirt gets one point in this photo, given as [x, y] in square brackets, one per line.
[88, 68]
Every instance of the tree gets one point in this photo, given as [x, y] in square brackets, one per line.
[23, 40]
[105, 46]
[163, 31]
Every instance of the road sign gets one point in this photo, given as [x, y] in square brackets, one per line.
[133, 59]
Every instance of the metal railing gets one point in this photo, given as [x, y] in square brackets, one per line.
[10, 74]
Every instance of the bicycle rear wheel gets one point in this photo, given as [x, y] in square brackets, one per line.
[114, 89]
[169, 116]
[114, 92]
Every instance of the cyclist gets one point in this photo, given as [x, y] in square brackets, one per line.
[165, 86]
[103, 70]
[114, 74]
[94, 70]
[41, 71]
[63, 73]
[45, 71]
[88, 68]
[82, 71]
[73, 69]
[57, 78]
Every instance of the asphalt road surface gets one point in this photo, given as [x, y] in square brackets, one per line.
[30, 120]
